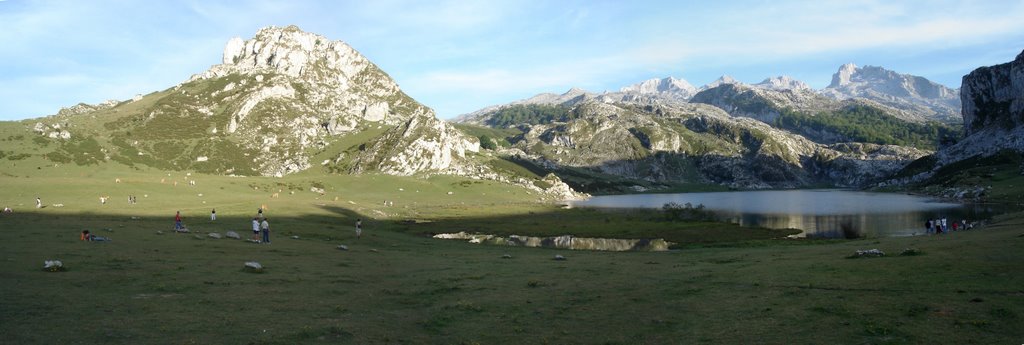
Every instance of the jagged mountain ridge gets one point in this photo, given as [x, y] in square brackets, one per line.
[911, 98]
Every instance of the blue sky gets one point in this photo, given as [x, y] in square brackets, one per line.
[459, 56]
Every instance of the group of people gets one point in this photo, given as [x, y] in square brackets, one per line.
[942, 226]
[260, 225]
[259, 228]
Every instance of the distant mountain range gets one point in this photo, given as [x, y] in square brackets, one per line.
[909, 97]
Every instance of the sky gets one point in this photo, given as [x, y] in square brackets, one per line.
[462, 55]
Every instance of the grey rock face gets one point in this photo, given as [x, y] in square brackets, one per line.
[214, 235]
[423, 143]
[994, 96]
[232, 234]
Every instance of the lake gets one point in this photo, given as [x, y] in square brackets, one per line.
[817, 212]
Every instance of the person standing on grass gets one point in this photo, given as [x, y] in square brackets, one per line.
[213, 215]
[39, 202]
[177, 221]
[359, 227]
[265, 229]
[256, 230]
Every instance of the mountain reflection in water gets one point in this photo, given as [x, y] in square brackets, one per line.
[821, 212]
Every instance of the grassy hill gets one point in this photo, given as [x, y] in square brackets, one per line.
[395, 285]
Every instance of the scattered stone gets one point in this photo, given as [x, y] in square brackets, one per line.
[374, 250]
[342, 247]
[53, 265]
[253, 266]
[197, 237]
[870, 253]
[559, 257]
[135, 218]
[183, 230]
[232, 234]
[450, 193]
[213, 235]
[977, 300]
[506, 256]
[295, 237]
[911, 252]
[158, 232]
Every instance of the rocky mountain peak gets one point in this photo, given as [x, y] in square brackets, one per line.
[663, 85]
[725, 79]
[906, 92]
[782, 83]
[287, 50]
[842, 77]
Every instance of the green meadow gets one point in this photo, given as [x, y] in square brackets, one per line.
[396, 285]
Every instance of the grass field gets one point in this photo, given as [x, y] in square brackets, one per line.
[397, 286]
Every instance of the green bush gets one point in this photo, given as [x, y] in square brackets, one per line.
[686, 212]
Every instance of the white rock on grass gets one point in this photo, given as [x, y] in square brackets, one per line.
[213, 235]
[53, 265]
[253, 266]
[232, 234]
[559, 257]
[870, 253]
[342, 247]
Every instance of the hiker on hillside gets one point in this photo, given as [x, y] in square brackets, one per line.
[259, 213]
[359, 227]
[256, 230]
[39, 202]
[265, 229]
[945, 227]
[928, 226]
[213, 215]
[177, 221]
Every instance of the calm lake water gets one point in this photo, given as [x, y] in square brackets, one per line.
[816, 212]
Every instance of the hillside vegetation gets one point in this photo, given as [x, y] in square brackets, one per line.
[866, 124]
